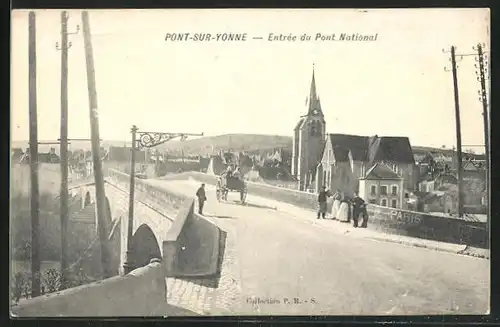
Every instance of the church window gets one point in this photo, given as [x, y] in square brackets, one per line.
[314, 128]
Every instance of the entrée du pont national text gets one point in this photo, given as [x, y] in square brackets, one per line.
[271, 37]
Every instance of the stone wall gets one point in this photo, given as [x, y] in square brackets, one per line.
[191, 247]
[167, 202]
[421, 225]
[140, 293]
[191, 243]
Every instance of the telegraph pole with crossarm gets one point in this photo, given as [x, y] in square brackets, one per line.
[65, 45]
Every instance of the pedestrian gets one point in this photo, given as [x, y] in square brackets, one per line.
[357, 203]
[343, 214]
[201, 198]
[336, 203]
[337, 195]
[323, 195]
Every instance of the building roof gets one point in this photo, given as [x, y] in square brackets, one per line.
[474, 165]
[379, 171]
[397, 149]
[358, 154]
[341, 153]
[375, 148]
[447, 178]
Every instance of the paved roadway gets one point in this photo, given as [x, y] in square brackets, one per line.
[300, 269]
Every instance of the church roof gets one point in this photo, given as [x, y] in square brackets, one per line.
[358, 154]
[341, 153]
[375, 148]
[391, 148]
[379, 171]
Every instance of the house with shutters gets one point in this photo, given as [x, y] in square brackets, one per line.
[348, 158]
[382, 186]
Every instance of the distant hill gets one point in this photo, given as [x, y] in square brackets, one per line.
[197, 146]
[235, 142]
[210, 144]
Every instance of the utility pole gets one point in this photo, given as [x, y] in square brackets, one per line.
[459, 134]
[64, 145]
[96, 156]
[64, 215]
[35, 196]
[128, 265]
[484, 100]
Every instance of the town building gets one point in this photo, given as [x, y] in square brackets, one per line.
[348, 158]
[124, 154]
[43, 157]
[338, 161]
[382, 186]
[308, 140]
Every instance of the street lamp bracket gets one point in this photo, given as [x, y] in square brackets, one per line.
[152, 139]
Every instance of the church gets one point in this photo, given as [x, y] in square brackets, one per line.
[308, 140]
[340, 161]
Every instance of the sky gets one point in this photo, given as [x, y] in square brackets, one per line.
[394, 86]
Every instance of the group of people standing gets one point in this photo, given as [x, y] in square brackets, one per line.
[344, 208]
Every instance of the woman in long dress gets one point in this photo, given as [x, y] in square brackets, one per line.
[336, 204]
[343, 212]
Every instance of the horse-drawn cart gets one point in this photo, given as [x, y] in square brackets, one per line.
[226, 184]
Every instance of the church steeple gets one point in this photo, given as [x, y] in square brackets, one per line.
[314, 103]
[312, 94]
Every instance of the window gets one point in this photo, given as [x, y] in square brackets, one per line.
[373, 190]
[314, 128]
[394, 190]
[383, 189]
[383, 202]
[372, 201]
[330, 154]
[394, 203]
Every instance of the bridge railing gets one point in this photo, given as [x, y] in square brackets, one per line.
[191, 245]
[172, 200]
[140, 293]
[426, 226]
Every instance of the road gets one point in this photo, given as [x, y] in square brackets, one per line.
[289, 266]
